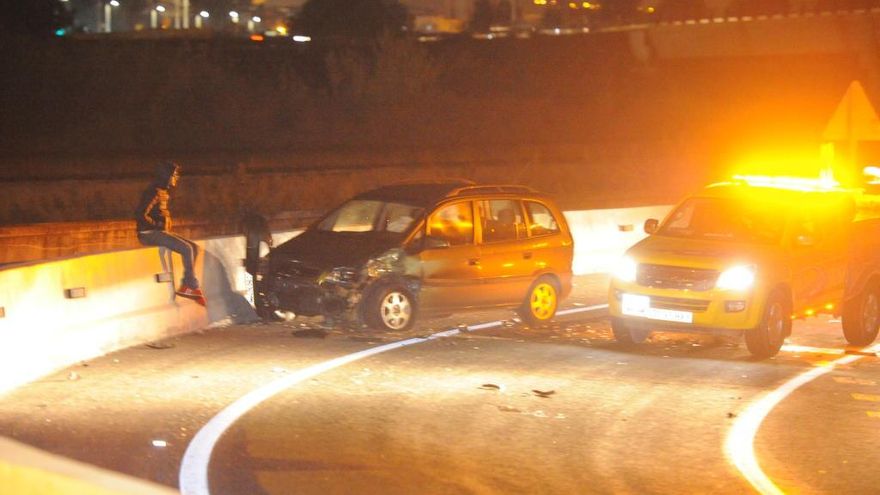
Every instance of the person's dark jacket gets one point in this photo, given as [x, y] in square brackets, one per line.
[152, 212]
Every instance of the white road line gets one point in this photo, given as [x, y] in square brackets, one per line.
[740, 444]
[581, 310]
[193, 477]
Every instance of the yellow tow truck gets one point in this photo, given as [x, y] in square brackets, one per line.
[746, 257]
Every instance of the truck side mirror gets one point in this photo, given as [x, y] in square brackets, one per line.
[651, 225]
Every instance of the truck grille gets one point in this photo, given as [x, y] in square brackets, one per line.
[678, 304]
[676, 277]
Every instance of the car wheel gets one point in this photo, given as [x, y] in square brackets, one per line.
[541, 301]
[861, 316]
[626, 335]
[390, 307]
[766, 339]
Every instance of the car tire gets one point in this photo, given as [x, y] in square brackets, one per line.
[389, 307]
[541, 302]
[625, 335]
[861, 316]
[765, 340]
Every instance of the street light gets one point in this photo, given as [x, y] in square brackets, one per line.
[202, 15]
[252, 21]
[154, 15]
[107, 14]
[233, 15]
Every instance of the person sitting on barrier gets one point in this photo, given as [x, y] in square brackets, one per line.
[154, 227]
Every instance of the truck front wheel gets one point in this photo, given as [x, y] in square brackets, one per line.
[861, 316]
[766, 339]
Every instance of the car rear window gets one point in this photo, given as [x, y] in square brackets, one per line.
[541, 220]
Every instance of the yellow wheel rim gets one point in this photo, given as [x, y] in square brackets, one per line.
[542, 301]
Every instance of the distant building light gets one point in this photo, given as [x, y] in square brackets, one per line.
[257, 37]
[282, 30]
[302, 39]
[60, 32]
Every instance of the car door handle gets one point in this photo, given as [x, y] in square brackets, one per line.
[527, 255]
[474, 261]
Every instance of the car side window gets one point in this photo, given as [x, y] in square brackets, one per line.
[454, 223]
[541, 220]
[501, 220]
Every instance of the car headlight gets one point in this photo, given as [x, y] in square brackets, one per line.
[740, 277]
[342, 275]
[625, 269]
[385, 263]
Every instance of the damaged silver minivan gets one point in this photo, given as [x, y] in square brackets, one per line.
[430, 248]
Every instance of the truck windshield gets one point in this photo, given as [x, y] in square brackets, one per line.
[726, 219]
[360, 215]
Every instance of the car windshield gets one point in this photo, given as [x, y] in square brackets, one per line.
[726, 219]
[365, 215]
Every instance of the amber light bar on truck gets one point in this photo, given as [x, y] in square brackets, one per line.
[824, 183]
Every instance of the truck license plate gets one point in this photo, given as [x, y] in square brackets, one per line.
[638, 305]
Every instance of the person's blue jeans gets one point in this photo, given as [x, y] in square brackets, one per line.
[187, 249]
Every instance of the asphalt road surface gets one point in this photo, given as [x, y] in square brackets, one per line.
[503, 409]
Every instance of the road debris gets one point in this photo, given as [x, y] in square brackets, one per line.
[73, 375]
[506, 408]
[731, 415]
[543, 394]
[159, 345]
[492, 386]
[310, 333]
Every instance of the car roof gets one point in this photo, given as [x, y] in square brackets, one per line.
[429, 193]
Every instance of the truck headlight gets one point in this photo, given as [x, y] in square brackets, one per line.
[738, 278]
[625, 269]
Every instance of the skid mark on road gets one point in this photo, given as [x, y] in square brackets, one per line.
[193, 477]
[740, 444]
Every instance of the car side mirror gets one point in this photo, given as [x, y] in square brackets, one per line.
[434, 242]
[651, 225]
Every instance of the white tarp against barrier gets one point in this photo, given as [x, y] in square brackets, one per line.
[601, 236]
